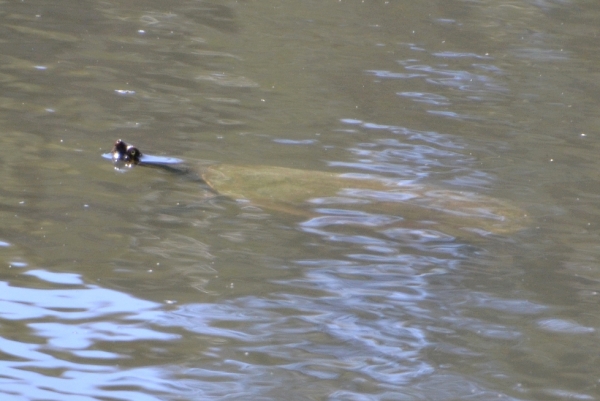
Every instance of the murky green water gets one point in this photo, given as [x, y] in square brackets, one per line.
[141, 285]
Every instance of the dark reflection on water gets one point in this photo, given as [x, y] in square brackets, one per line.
[144, 285]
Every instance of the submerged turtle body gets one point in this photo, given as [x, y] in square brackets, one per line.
[297, 191]
[308, 192]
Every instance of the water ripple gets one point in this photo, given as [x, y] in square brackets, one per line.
[78, 319]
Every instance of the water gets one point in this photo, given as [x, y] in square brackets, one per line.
[140, 284]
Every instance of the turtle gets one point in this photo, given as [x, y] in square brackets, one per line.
[309, 192]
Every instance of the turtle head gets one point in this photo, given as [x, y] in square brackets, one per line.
[125, 153]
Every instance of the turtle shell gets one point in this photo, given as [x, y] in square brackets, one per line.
[301, 191]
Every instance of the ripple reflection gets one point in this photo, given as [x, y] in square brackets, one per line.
[67, 320]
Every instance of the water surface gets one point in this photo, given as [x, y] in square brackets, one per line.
[138, 285]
